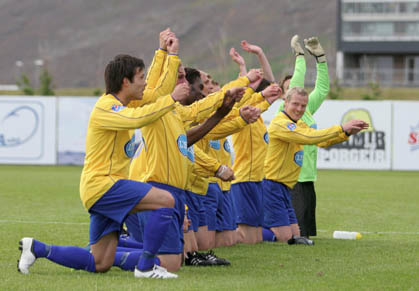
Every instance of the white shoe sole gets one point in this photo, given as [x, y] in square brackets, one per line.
[155, 273]
[27, 258]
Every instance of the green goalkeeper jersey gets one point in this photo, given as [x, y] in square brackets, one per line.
[308, 171]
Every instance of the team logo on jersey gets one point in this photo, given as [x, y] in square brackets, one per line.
[291, 126]
[266, 137]
[215, 144]
[226, 146]
[298, 158]
[182, 144]
[117, 107]
[191, 155]
[314, 126]
[131, 147]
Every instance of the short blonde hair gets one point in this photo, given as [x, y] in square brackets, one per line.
[295, 90]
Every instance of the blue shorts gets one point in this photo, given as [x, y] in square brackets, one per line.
[173, 241]
[196, 210]
[109, 212]
[132, 223]
[248, 198]
[277, 207]
[213, 203]
[227, 215]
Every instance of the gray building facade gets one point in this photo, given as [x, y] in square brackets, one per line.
[378, 41]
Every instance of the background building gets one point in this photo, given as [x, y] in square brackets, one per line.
[378, 41]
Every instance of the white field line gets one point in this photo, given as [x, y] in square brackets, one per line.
[44, 222]
[86, 223]
[375, 232]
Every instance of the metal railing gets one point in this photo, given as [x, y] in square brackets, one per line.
[363, 77]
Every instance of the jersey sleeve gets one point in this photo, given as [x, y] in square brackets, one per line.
[239, 82]
[107, 116]
[201, 109]
[299, 74]
[228, 125]
[204, 166]
[340, 138]
[248, 94]
[321, 88]
[298, 133]
[166, 76]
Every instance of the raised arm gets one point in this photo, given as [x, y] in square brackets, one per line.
[198, 132]
[238, 59]
[322, 86]
[263, 60]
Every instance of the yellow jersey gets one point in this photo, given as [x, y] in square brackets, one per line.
[285, 150]
[164, 155]
[109, 146]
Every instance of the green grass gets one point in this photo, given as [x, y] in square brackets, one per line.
[383, 205]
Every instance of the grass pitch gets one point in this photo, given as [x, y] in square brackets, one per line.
[43, 202]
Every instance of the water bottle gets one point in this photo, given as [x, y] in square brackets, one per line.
[346, 235]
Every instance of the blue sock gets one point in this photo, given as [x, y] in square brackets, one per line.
[129, 242]
[128, 260]
[40, 249]
[154, 233]
[268, 235]
[127, 250]
[72, 257]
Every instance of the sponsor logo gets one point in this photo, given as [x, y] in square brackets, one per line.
[413, 140]
[226, 146]
[266, 137]
[298, 158]
[367, 146]
[182, 144]
[191, 154]
[117, 107]
[215, 144]
[291, 126]
[18, 126]
[131, 147]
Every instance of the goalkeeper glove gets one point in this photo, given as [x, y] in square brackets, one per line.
[315, 49]
[296, 47]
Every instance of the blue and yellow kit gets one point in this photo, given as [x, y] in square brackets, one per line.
[285, 150]
[109, 143]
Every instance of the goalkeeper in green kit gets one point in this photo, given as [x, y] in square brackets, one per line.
[303, 194]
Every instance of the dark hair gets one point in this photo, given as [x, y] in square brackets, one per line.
[192, 75]
[122, 66]
[263, 84]
[281, 85]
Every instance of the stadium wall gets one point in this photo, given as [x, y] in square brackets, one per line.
[52, 130]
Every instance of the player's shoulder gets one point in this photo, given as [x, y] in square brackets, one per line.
[109, 102]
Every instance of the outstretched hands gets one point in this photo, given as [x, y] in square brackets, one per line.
[249, 113]
[296, 47]
[354, 126]
[181, 92]
[169, 41]
[251, 48]
[225, 173]
[237, 58]
[314, 47]
[272, 93]
[254, 74]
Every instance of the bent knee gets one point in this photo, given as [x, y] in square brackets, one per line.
[166, 199]
[103, 268]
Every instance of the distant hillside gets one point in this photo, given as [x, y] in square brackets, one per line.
[77, 38]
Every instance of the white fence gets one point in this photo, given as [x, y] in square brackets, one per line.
[52, 130]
